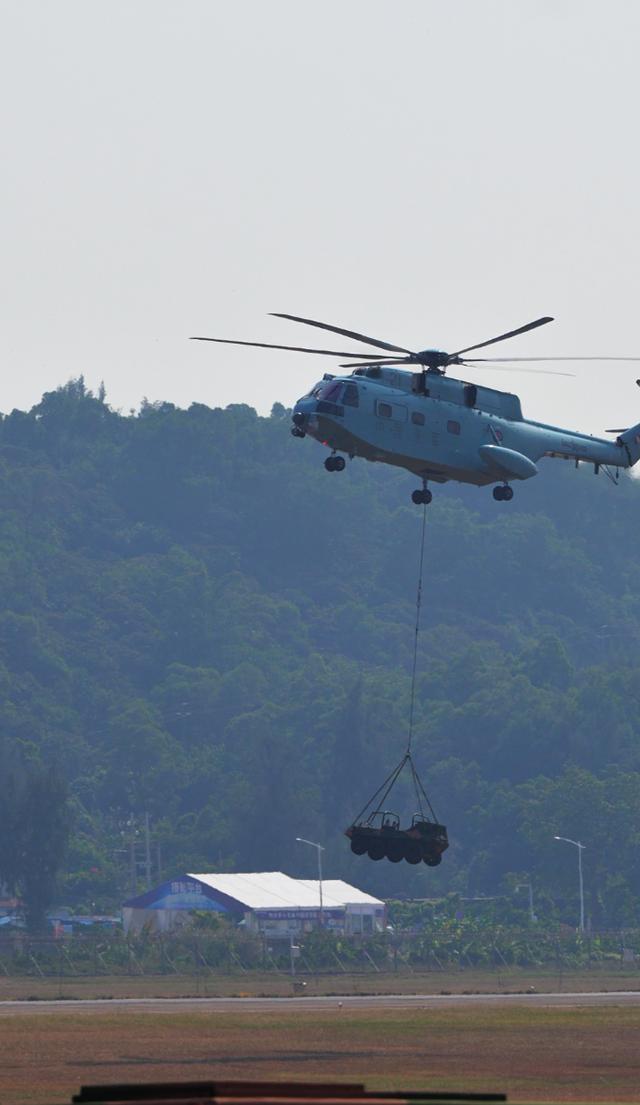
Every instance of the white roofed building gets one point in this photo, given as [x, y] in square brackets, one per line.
[268, 901]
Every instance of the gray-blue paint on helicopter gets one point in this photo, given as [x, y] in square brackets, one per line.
[441, 428]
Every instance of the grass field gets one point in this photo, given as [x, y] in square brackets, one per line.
[535, 1055]
[546, 1054]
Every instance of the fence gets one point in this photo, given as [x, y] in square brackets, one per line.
[190, 952]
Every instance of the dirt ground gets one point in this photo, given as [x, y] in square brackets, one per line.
[542, 1055]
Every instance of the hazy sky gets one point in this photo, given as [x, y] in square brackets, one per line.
[429, 172]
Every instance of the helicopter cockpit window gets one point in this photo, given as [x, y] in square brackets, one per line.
[453, 427]
[329, 392]
[350, 395]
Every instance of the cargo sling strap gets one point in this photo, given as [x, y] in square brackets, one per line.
[376, 802]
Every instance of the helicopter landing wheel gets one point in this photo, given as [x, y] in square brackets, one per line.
[421, 496]
[503, 494]
[334, 464]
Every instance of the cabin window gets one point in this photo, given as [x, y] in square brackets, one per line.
[350, 395]
[395, 411]
[417, 418]
[453, 427]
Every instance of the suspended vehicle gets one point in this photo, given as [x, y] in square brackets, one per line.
[381, 836]
[376, 831]
[435, 426]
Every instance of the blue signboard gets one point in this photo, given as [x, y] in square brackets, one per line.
[179, 894]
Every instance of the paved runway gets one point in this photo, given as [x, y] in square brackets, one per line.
[313, 1004]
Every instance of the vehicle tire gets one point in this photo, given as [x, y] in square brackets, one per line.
[433, 861]
[412, 852]
[338, 464]
[358, 847]
[395, 851]
[376, 850]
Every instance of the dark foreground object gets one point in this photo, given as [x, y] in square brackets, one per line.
[262, 1093]
[423, 841]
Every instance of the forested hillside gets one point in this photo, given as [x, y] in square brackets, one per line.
[198, 621]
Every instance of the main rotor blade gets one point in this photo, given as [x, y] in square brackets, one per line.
[345, 333]
[503, 337]
[293, 348]
[503, 368]
[375, 364]
[599, 358]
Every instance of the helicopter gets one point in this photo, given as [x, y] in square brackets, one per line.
[436, 426]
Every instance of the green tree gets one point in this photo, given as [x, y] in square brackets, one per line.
[34, 808]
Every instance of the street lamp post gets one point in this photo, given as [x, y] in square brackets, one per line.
[529, 887]
[320, 849]
[580, 847]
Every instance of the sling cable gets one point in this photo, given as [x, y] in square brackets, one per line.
[376, 830]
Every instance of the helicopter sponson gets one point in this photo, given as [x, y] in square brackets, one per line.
[400, 407]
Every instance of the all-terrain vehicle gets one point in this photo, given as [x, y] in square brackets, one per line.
[381, 836]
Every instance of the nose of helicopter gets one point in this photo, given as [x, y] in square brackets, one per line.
[304, 407]
[301, 413]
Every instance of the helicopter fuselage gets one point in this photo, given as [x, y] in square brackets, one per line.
[441, 428]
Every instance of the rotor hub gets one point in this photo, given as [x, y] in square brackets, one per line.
[434, 360]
